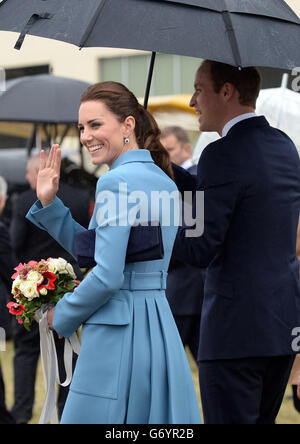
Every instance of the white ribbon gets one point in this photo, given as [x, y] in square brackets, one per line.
[50, 365]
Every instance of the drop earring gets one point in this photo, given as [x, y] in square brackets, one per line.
[126, 141]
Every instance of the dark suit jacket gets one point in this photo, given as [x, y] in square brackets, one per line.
[7, 264]
[251, 180]
[185, 284]
[31, 243]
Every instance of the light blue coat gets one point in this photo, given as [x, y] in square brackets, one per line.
[132, 367]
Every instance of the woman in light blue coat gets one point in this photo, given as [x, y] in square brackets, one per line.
[132, 367]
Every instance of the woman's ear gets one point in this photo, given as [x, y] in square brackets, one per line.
[129, 126]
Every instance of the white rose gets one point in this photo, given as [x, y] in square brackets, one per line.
[44, 291]
[52, 266]
[70, 271]
[35, 277]
[16, 282]
[58, 265]
[29, 290]
[16, 285]
[62, 263]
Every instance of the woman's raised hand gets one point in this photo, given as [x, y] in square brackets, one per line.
[48, 177]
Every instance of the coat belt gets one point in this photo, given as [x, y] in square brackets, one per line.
[145, 281]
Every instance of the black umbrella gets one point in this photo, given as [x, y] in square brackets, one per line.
[43, 99]
[237, 32]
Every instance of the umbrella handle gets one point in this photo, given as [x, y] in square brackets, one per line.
[149, 81]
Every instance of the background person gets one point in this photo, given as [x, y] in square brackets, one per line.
[177, 142]
[185, 283]
[30, 243]
[251, 183]
[7, 264]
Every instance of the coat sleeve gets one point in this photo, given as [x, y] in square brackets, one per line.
[219, 182]
[57, 220]
[106, 278]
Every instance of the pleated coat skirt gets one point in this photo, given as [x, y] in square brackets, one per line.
[148, 378]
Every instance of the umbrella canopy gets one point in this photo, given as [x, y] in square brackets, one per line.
[175, 110]
[237, 32]
[43, 99]
[222, 31]
[281, 107]
[180, 102]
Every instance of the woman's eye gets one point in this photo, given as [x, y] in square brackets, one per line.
[95, 125]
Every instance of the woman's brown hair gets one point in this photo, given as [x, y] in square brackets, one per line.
[123, 103]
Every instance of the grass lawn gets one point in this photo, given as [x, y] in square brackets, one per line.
[287, 414]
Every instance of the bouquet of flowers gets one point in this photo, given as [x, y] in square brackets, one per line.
[39, 285]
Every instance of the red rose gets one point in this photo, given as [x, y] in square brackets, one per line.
[15, 309]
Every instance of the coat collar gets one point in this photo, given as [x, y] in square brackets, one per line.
[259, 121]
[141, 155]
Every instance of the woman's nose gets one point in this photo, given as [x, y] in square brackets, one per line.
[85, 136]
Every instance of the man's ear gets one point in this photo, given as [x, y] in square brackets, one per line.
[2, 203]
[187, 148]
[228, 91]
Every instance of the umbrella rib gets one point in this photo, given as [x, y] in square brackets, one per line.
[91, 24]
[232, 38]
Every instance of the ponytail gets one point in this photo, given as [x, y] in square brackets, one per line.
[149, 139]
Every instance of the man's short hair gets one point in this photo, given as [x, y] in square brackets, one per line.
[180, 134]
[248, 81]
[3, 187]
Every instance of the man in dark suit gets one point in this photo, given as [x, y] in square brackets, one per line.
[31, 243]
[7, 264]
[251, 183]
[185, 284]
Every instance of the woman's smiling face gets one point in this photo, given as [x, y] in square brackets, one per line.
[101, 132]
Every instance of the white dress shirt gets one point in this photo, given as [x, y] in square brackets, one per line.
[187, 164]
[236, 120]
